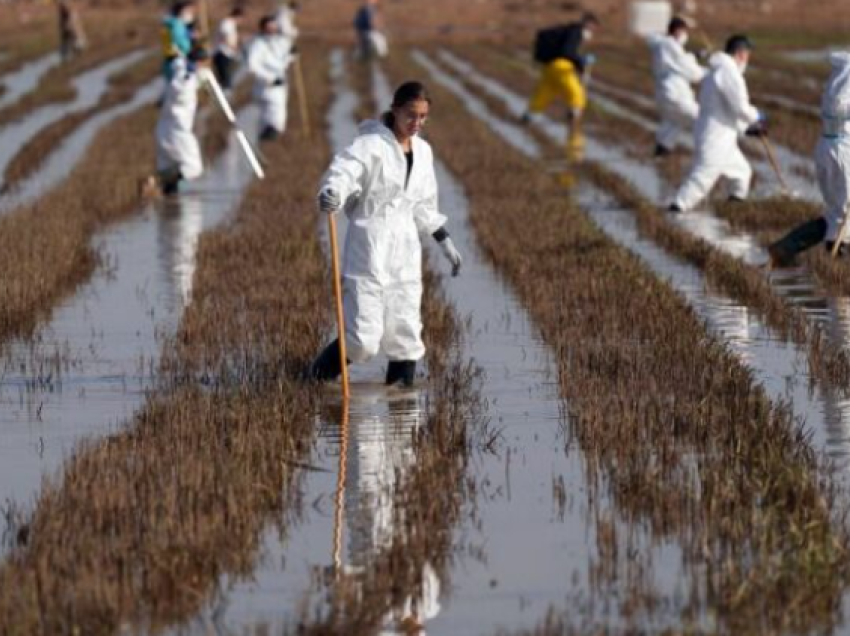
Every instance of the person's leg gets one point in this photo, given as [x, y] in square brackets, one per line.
[738, 172]
[402, 341]
[543, 93]
[698, 184]
[798, 240]
[267, 117]
[570, 88]
[675, 118]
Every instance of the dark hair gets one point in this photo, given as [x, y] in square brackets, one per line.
[237, 11]
[738, 43]
[405, 94]
[677, 24]
[265, 21]
[177, 7]
[590, 18]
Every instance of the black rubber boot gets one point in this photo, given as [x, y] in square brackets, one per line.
[661, 151]
[735, 199]
[327, 366]
[401, 371]
[268, 134]
[798, 240]
[830, 245]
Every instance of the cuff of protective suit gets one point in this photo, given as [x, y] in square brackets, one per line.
[441, 235]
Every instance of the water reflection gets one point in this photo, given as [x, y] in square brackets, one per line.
[375, 445]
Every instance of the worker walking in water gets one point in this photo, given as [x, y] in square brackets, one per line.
[178, 153]
[269, 57]
[72, 38]
[558, 49]
[832, 159]
[386, 185]
[725, 110]
[226, 56]
[675, 70]
[177, 35]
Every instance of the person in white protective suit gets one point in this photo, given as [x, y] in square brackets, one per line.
[269, 57]
[675, 70]
[725, 112]
[386, 184]
[178, 153]
[832, 159]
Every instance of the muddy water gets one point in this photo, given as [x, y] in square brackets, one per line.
[781, 367]
[89, 367]
[62, 159]
[90, 87]
[26, 78]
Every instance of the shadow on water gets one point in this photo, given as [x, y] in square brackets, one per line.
[88, 369]
[90, 87]
[26, 78]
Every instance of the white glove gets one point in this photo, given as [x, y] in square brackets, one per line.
[451, 254]
[205, 75]
[329, 201]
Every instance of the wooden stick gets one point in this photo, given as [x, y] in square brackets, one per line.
[301, 90]
[841, 232]
[771, 157]
[340, 314]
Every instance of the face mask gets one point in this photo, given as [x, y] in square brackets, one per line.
[587, 35]
[682, 38]
[743, 67]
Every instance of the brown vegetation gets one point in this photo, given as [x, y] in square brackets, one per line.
[647, 388]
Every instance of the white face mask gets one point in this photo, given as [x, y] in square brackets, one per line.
[587, 35]
[743, 67]
[682, 38]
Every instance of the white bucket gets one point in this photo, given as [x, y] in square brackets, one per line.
[649, 17]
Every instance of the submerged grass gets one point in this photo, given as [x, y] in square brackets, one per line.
[161, 509]
[122, 87]
[744, 283]
[670, 421]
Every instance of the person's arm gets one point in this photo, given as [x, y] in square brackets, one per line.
[345, 178]
[734, 91]
[428, 218]
[685, 64]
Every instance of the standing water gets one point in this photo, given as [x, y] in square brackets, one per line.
[89, 369]
[26, 78]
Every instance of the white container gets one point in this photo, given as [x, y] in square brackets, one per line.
[650, 17]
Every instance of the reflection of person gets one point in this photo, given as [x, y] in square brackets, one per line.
[675, 70]
[177, 35]
[227, 48]
[832, 158]
[725, 111]
[178, 153]
[269, 57]
[381, 455]
[385, 182]
[72, 39]
[370, 41]
[180, 226]
[558, 49]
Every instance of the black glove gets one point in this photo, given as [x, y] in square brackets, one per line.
[294, 50]
[279, 82]
[756, 130]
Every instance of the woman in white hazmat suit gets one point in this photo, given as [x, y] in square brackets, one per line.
[675, 70]
[269, 57]
[178, 153]
[725, 112]
[832, 159]
[386, 184]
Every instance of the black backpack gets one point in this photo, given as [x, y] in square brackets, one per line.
[548, 44]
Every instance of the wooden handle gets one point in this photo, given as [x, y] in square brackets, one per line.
[302, 97]
[340, 315]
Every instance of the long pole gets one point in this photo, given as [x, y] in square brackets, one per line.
[205, 18]
[247, 149]
[301, 89]
[771, 157]
[841, 232]
[340, 315]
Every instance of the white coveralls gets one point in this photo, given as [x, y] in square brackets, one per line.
[725, 111]
[832, 156]
[675, 70]
[269, 58]
[382, 268]
[177, 147]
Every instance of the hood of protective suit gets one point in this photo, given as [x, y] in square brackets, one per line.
[836, 96]
[719, 58]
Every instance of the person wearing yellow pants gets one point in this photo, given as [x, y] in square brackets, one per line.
[558, 49]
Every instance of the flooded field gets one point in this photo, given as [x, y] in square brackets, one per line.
[625, 421]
